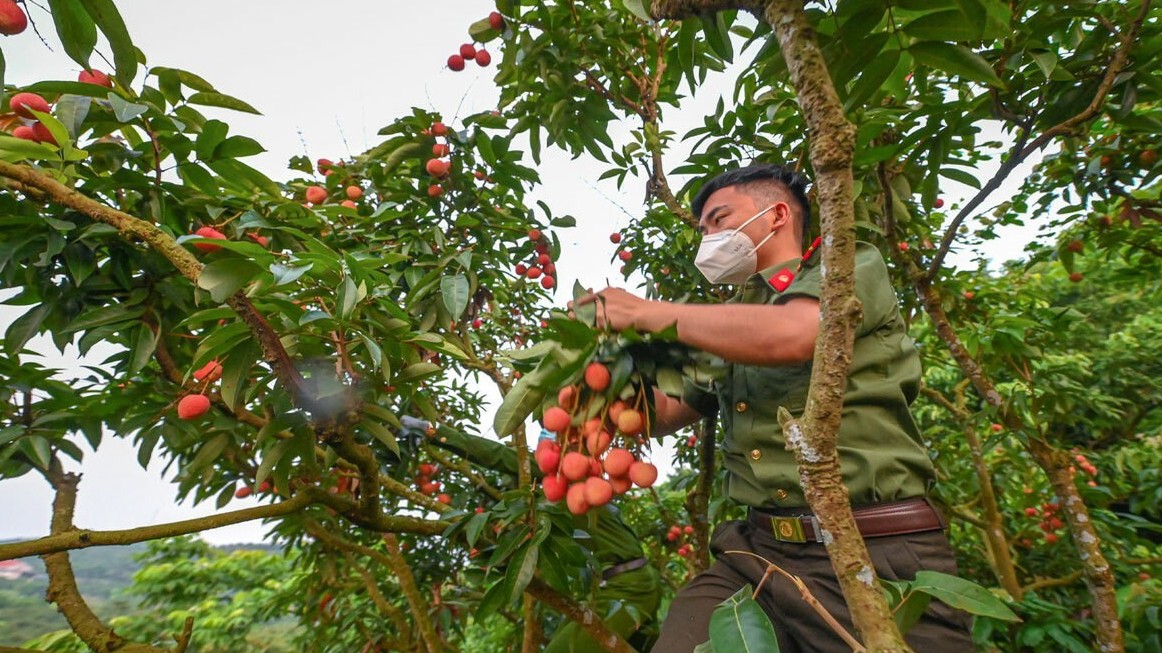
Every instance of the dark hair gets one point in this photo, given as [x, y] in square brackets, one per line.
[788, 180]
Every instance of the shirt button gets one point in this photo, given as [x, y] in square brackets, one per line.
[740, 406]
[780, 494]
[755, 454]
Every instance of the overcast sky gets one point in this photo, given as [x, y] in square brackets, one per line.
[326, 77]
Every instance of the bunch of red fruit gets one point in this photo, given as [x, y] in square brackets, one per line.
[23, 104]
[194, 405]
[439, 166]
[1050, 522]
[681, 532]
[582, 465]
[426, 485]
[542, 266]
[1086, 467]
[469, 52]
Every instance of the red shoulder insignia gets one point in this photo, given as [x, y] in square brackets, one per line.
[781, 279]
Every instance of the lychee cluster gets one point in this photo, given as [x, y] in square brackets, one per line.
[583, 464]
[542, 266]
[194, 405]
[679, 533]
[426, 485]
[469, 51]
[439, 165]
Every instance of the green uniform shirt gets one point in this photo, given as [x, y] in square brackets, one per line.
[882, 457]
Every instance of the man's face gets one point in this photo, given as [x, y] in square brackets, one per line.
[728, 208]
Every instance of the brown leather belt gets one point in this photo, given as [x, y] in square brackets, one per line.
[880, 520]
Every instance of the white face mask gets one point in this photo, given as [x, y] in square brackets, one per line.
[730, 256]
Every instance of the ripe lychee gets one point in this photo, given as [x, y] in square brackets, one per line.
[621, 484]
[441, 149]
[483, 58]
[209, 232]
[597, 443]
[193, 406]
[567, 397]
[24, 103]
[316, 194]
[615, 238]
[534, 234]
[12, 19]
[555, 487]
[495, 20]
[618, 462]
[556, 419]
[625, 255]
[548, 282]
[597, 377]
[598, 491]
[435, 190]
[43, 135]
[209, 372]
[643, 474]
[437, 167]
[242, 492]
[575, 466]
[468, 51]
[456, 62]
[547, 456]
[95, 77]
[25, 132]
[575, 499]
[353, 192]
[629, 422]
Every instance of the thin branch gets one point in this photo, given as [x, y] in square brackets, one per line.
[587, 619]
[81, 539]
[1021, 151]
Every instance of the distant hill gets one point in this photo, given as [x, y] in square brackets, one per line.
[102, 573]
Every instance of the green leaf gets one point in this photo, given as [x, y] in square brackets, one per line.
[524, 573]
[475, 527]
[963, 595]
[15, 150]
[416, 371]
[522, 400]
[226, 276]
[105, 14]
[909, 612]
[208, 453]
[71, 110]
[955, 60]
[718, 35]
[381, 433]
[236, 368]
[238, 146]
[270, 459]
[948, 25]
[124, 110]
[482, 31]
[587, 313]
[24, 328]
[739, 624]
[454, 292]
[213, 133]
[208, 99]
[637, 8]
[143, 347]
[76, 28]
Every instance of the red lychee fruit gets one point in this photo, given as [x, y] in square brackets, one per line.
[556, 419]
[209, 372]
[193, 406]
[555, 487]
[468, 51]
[598, 491]
[495, 20]
[354, 192]
[437, 167]
[643, 474]
[597, 377]
[575, 499]
[316, 194]
[629, 422]
[24, 103]
[12, 19]
[209, 232]
[456, 62]
[483, 58]
[575, 466]
[95, 77]
[618, 462]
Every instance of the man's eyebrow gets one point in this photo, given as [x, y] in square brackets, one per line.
[710, 216]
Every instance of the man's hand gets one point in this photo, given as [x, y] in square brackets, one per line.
[618, 309]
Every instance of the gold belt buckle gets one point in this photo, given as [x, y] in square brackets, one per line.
[788, 529]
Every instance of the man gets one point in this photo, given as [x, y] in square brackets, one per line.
[630, 589]
[753, 222]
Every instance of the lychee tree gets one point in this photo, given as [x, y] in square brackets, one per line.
[266, 336]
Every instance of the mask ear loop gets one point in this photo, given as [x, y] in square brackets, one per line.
[756, 217]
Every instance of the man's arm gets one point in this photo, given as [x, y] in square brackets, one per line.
[750, 334]
[671, 415]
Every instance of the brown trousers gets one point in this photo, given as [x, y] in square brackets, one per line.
[798, 627]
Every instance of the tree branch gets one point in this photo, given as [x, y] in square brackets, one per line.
[587, 619]
[81, 539]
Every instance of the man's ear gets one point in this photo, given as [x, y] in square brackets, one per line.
[784, 217]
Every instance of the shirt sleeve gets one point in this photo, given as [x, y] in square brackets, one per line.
[873, 288]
